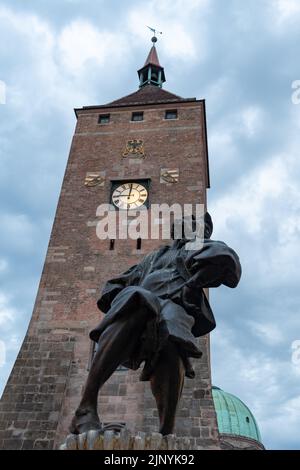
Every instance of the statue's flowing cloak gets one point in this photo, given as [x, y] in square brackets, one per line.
[168, 284]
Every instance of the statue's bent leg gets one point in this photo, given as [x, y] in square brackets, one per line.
[116, 344]
[166, 384]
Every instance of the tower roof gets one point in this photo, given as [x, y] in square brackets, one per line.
[233, 416]
[151, 77]
[149, 94]
[152, 57]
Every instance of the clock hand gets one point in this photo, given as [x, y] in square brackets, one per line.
[130, 190]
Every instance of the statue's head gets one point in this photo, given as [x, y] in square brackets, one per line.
[188, 225]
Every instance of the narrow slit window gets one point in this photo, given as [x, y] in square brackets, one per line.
[111, 245]
[171, 114]
[139, 244]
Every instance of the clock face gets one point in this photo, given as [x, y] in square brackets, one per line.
[129, 195]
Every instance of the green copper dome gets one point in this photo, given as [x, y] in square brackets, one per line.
[233, 416]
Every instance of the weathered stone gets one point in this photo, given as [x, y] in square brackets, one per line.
[155, 441]
[171, 441]
[108, 442]
[117, 445]
[125, 440]
[91, 438]
[81, 441]
[139, 441]
[71, 442]
[99, 442]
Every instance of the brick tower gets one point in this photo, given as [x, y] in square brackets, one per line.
[151, 138]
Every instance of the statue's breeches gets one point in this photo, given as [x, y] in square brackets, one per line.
[164, 320]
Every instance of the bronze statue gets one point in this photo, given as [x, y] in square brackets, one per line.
[154, 311]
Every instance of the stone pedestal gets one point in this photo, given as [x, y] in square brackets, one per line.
[126, 440]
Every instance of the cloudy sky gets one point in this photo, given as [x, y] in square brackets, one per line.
[242, 57]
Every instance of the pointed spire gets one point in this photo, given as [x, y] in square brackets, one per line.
[152, 57]
[152, 72]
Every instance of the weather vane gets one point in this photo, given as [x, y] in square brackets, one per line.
[154, 38]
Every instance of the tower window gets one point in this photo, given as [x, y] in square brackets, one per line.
[138, 116]
[171, 114]
[247, 419]
[112, 245]
[104, 118]
[139, 244]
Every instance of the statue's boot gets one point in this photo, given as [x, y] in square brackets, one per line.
[85, 420]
